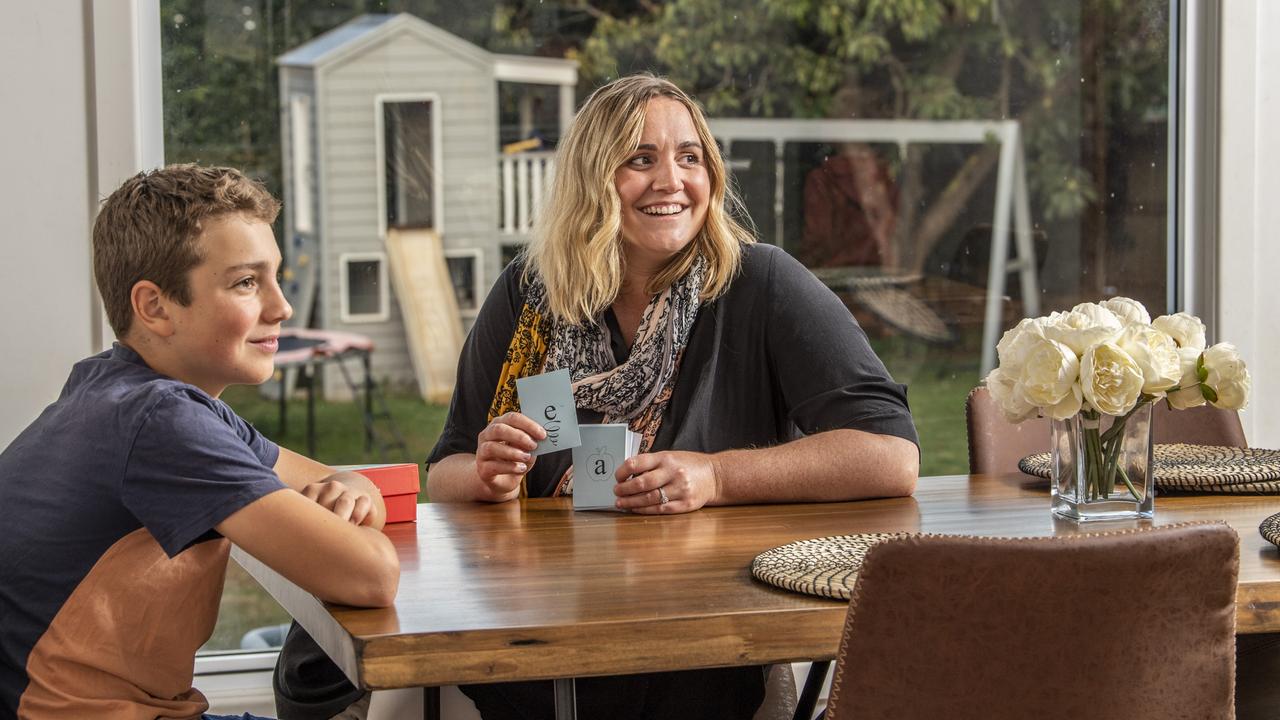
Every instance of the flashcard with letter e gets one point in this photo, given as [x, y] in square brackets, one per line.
[548, 400]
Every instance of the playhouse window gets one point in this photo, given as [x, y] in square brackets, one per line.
[465, 274]
[510, 251]
[300, 121]
[365, 296]
[409, 169]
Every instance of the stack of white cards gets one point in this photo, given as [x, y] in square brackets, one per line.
[603, 449]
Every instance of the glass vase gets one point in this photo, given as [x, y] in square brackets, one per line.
[1102, 466]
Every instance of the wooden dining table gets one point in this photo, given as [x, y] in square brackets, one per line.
[532, 590]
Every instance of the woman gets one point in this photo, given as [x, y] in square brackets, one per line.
[747, 379]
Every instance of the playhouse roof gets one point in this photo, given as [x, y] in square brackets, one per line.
[322, 47]
[367, 30]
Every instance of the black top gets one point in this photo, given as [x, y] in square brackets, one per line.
[776, 357]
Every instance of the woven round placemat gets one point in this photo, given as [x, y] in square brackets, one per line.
[1270, 529]
[826, 567]
[1197, 468]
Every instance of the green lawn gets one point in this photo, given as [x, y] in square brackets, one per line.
[937, 384]
[937, 380]
[339, 441]
[339, 431]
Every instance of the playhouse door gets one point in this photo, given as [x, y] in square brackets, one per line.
[411, 163]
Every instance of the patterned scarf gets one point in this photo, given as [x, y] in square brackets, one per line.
[637, 391]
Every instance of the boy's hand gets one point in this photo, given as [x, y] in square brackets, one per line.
[333, 495]
[311, 479]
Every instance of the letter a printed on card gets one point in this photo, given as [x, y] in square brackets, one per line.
[548, 400]
[595, 462]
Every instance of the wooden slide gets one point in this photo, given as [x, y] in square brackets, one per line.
[432, 327]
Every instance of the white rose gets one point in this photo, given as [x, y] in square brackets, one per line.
[1156, 354]
[1186, 330]
[1014, 344]
[1226, 377]
[1129, 311]
[1189, 396]
[1070, 404]
[1110, 379]
[1049, 374]
[1003, 388]
[1085, 326]
[1094, 310]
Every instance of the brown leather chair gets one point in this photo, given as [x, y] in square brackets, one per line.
[996, 446]
[1123, 625]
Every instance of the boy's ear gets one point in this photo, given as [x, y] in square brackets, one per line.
[151, 308]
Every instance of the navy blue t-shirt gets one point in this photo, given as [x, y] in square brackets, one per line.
[110, 567]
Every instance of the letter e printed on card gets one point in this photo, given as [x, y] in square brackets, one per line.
[548, 400]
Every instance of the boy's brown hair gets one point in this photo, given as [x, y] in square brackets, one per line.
[149, 229]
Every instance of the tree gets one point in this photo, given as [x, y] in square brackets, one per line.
[1040, 63]
[1078, 74]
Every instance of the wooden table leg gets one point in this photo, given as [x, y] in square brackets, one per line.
[431, 703]
[566, 699]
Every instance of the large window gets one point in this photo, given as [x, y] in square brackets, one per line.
[866, 139]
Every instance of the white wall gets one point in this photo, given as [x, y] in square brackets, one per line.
[80, 87]
[1249, 201]
[45, 187]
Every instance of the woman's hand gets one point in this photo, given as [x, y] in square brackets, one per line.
[502, 454]
[667, 482]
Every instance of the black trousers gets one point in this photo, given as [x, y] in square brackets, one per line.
[1258, 677]
[717, 694]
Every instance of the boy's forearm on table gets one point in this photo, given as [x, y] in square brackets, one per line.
[343, 563]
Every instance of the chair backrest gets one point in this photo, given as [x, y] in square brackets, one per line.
[1125, 625]
[996, 446]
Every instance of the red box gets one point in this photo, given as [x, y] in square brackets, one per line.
[399, 485]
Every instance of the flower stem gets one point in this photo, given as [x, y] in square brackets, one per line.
[1118, 426]
[1093, 463]
[1124, 476]
[1112, 452]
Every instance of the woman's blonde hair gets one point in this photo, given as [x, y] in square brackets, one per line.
[577, 246]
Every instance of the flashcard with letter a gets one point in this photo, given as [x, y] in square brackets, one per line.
[603, 449]
[548, 400]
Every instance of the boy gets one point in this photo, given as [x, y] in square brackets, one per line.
[120, 499]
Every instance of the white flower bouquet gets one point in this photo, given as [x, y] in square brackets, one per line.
[1111, 358]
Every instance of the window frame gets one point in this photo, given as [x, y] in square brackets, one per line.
[344, 288]
[437, 154]
[302, 161]
[478, 286]
[1195, 59]
[131, 68]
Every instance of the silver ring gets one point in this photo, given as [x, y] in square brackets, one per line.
[662, 497]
